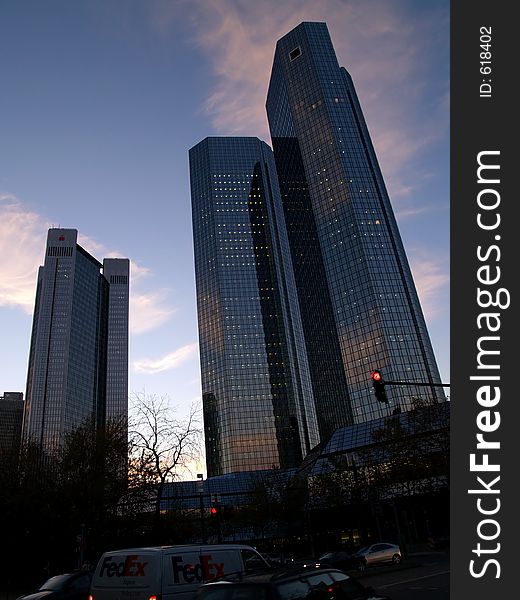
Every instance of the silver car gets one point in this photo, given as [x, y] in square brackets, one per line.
[379, 553]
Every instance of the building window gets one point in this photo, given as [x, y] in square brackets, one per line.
[295, 53]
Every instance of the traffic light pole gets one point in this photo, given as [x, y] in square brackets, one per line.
[216, 512]
[379, 384]
[202, 528]
[200, 477]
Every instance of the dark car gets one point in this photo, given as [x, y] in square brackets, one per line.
[340, 560]
[67, 586]
[296, 584]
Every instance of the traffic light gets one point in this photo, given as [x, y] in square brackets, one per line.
[215, 511]
[379, 386]
[215, 517]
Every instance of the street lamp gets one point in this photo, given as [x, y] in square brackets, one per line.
[200, 483]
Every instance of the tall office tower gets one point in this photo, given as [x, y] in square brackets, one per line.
[78, 360]
[116, 272]
[258, 404]
[11, 414]
[359, 306]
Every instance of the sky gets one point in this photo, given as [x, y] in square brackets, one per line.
[100, 101]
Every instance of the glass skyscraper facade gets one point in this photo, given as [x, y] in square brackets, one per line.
[11, 418]
[78, 360]
[116, 272]
[257, 396]
[359, 306]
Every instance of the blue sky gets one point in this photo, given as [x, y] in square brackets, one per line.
[101, 99]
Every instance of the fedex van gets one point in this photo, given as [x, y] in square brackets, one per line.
[169, 572]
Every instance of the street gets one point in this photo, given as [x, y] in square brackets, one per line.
[426, 576]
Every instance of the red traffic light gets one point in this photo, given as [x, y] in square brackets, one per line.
[379, 386]
[376, 376]
[213, 510]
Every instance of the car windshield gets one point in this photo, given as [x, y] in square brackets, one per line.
[57, 582]
[364, 549]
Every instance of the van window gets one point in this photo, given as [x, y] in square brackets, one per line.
[253, 562]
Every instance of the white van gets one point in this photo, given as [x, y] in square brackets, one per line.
[169, 572]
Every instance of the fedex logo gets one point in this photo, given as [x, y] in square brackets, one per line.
[130, 567]
[202, 571]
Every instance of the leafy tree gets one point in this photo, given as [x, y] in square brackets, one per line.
[28, 493]
[410, 453]
[263, 512]
[92, 479]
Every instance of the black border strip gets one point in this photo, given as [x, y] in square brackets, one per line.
[483, 120]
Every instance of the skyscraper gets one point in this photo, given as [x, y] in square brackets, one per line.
[11, 414]
[78, 360]
[359, 306]
[258, 404]
[116, 272]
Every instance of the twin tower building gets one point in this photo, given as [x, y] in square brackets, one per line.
[78, 359]
[303, 285]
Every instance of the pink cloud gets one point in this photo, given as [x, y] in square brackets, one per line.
[373, 41]
[22, 241]
[148, 310]
[432, 283]
[167, 362]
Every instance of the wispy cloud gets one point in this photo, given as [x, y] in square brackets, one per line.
[375, 40]
[432, 282]
[165, 363]
[23, 234]
[148, 311]
[22, 240]
[412, 211]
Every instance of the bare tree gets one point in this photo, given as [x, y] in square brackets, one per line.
[162, 447]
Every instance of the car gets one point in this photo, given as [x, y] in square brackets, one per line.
[314, 583]
[66, 586]
[340, 560]
[379, 553]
